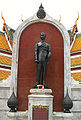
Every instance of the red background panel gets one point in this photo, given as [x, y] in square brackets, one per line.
[27, 68]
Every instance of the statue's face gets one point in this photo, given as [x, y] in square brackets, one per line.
[43, 36]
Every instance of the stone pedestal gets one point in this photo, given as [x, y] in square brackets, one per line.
[63, 116]
[40, 104]
[17, 115]
[76, 98]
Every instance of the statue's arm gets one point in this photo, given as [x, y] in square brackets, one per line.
[36, 52]
[49, 53]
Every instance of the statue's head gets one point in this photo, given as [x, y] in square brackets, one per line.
[42, 36]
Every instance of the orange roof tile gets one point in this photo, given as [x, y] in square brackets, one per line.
[76, 76]
[5, 60]
[76, 61]
[77, 44]
[3, 42]
[4, 74]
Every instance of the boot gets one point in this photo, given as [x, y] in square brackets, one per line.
[45, 86]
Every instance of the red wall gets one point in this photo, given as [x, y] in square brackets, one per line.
[27, 67]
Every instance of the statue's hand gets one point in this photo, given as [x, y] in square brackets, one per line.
[36, 61]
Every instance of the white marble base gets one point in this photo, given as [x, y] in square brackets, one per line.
[17, 115]
[23, 115]
[41, 97]
[62, 116]
[76, 98]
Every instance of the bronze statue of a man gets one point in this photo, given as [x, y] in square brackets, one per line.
[42, 55]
